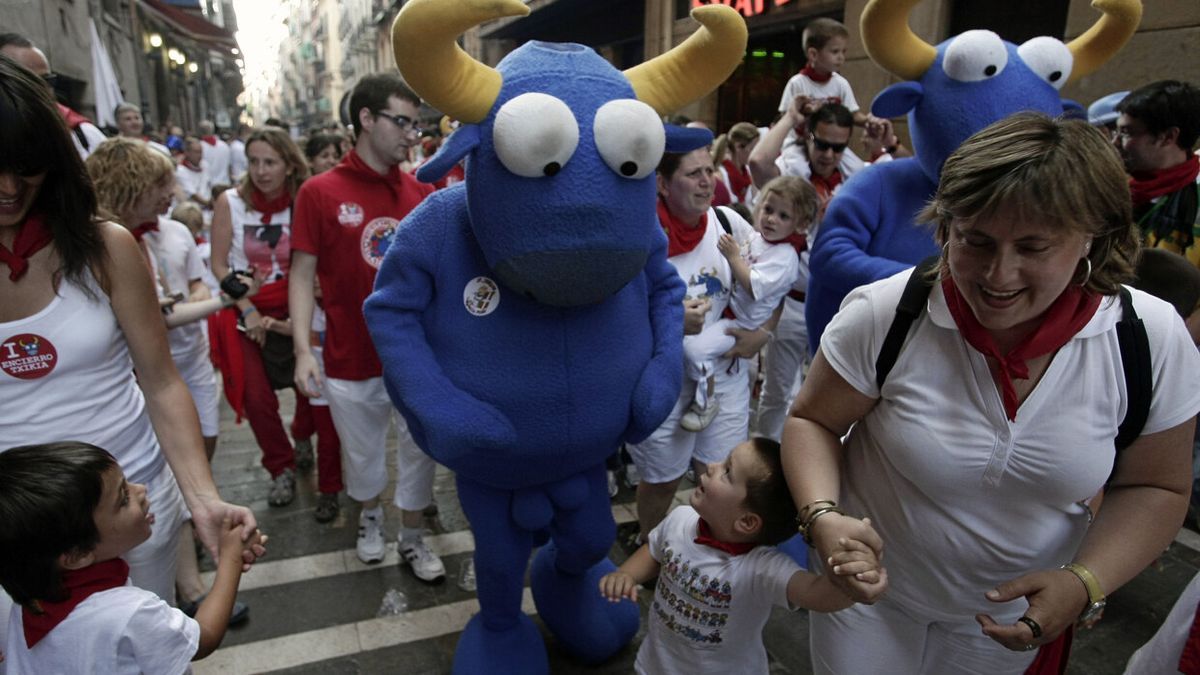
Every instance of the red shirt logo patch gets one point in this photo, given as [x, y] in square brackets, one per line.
[27, 356]
[350, 214]
[376, 237]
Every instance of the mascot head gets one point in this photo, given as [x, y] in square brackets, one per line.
[973, 79]
[561, 147]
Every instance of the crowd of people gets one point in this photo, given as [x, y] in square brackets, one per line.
[983, 442]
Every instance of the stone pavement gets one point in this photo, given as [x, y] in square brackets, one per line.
[314, 607]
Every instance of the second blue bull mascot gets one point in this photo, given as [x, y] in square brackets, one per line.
[528, 320]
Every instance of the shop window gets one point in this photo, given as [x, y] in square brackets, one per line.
[1013, 20]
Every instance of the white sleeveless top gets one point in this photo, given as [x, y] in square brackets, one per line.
[66, 375]
[267, 247]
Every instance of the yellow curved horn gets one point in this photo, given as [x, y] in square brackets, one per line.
[1106, 37]
[425, 33]
[697, 65]
[889, 41]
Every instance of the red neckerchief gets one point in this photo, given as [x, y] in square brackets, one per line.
[141, 230]
[269, 207]
[812, 74]
[210, 139]
[825, 185]
[1066, 316]
[739, 178]
[1144, 186]
[190, 166]
[705, 538]
[681, 237]
[798, 240]
[79, 584]
[72, 118]
[31, 238]
[1189, 660]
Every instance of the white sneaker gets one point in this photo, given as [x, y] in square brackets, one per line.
[632, 476]
[697, 418]
[371, 546]
[613, 488]
[424, 562]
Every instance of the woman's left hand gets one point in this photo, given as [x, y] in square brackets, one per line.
[208, 513]
[747, 343]
[1056, 598]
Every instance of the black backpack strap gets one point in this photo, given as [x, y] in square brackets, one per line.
[912, 303]
[1139, 381]
[83, 141]
[724, 220]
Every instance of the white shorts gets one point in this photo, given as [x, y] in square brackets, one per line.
[664, 456]
[361, 410]
[882, 638]
[197, 372]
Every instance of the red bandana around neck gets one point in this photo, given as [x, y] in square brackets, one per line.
[210, 139]
[798, 241]
[825, 185]
[269, 207]
[72, 118]
[32, 237]
[705, 538]
[79, 584]
[191, 167]
[681, 237]
[141, 230]
[739, 178]
[1069, 313]
[812, 74]
[1144, 186]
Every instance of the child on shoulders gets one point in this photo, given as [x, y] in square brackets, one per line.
[783, 214]
[719, 573]
[67, 515]
[819, 82]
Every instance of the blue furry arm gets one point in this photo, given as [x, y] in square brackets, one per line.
[658, 387]
[449, 420]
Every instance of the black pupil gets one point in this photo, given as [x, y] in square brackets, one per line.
[1055, 75]
[552, 168]
[628, 169]
[989, 71]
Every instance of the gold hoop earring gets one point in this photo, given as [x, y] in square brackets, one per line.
[1087, 275]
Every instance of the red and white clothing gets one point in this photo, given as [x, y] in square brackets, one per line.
[217, 156]
[119, 631]
[82, 126]
[346, 217]
[709, 606]
[193, 180]
[836, 90]
[266, 246]
[736, 180]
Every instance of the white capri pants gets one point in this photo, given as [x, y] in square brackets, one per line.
[664, 456]
[201, 380]
[883, 638]
[783, 364]
[361, 410]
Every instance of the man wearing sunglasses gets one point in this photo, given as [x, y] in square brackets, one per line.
[18, 48]
[816, 151]
[342, 223]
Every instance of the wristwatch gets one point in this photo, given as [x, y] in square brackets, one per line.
[1096, 599]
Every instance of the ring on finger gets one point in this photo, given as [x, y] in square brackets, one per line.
[1033, 626]
[1030, 647]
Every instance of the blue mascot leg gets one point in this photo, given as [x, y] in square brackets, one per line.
[565, 579]
[500, 638]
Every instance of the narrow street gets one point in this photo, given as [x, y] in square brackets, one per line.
[314, 608]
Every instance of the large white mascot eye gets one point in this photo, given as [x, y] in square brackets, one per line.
[975, 55]
[1049, 58]
[630, 137]
[535, 134]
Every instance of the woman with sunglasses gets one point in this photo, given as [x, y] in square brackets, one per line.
[79, 317]
[251, 230]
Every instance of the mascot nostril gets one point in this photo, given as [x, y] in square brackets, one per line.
[527, 318]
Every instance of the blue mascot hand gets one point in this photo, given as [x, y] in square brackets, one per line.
[465, 423]
[655, 395]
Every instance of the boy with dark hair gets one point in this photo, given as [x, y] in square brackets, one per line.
[819, 82]
[720, 572]
[67, 514]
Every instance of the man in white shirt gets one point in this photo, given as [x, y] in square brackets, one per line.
[191, 176]
[216, 154]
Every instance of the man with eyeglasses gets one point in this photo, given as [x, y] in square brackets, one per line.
[342, 223]
[18, 48]
[1156, 133]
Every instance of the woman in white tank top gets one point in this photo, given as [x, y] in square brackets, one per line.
[79, 317]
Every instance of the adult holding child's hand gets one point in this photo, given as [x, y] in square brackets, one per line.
[975, 431]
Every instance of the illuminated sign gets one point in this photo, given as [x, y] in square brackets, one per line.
[744, 7]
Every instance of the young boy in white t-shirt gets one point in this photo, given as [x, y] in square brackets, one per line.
[819, 82]
[719, 573]
[785, 210]
[67, 514]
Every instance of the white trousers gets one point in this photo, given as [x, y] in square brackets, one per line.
[361, 411]
[783, 364]
[201, 380]
[882, 638]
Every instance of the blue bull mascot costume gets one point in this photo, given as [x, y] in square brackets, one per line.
[527, 319]
[951, 91]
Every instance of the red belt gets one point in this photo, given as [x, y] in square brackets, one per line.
[798, 296]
